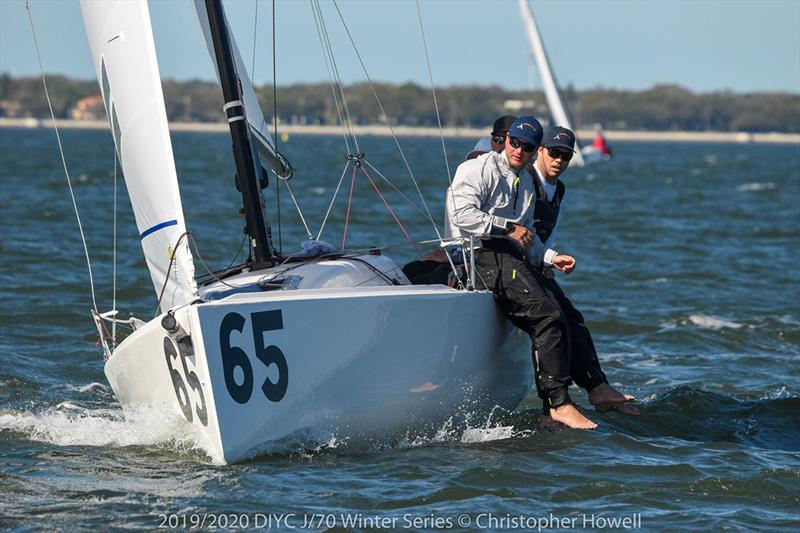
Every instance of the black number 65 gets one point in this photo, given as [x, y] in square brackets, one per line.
[234, 357]
[180, 387]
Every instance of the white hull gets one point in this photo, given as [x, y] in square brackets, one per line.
[365, 362]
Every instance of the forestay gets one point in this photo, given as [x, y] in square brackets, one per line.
[255, 118]
[558, 110]
[123, 51]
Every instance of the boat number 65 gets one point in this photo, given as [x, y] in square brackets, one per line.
[171, 352]
[241, 387]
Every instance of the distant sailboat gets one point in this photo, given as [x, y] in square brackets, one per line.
[558, 108]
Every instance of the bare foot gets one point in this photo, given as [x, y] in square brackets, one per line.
[605, 398]
[549, 424]
[569, 415]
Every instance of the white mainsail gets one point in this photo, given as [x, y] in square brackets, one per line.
[259, 128]
[124, 55]
[558, 109]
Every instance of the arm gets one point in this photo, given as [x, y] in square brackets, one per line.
[564, 263]
[470, 190]
[549, 246]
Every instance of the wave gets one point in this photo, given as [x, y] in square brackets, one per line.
[768, 186]
[689, 413]
[709, 322]
[70, 424]
[91, 387]
[702, 321]
[462, 427]
[684, 412]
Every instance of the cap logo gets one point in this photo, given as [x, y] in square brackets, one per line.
[558, 136]
[531, 126]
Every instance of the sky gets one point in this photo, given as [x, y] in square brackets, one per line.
[737, 45]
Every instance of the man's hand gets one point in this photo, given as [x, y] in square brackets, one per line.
[565, 263]
[521, 234]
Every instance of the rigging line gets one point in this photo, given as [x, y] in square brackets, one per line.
[114, 260]
[335, 194]
[275, 122]
[299, 212]
[398, 191]
[433, 90]
[335, 77]
[238, 253]
[372, 267]
[200, 257]
[339, 86]
[439, 237]
[403, 245]
[393, 246]
[380, 195]
[349, 204]
[439, 121]
[345, 130]
[61, 151]
[255, 38]
[172, 258]
[386, 117]
[327, 54]
[275, 126]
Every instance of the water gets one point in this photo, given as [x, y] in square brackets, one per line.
[687, 274]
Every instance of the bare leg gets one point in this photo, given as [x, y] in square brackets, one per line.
[605, 398]
[569, 415]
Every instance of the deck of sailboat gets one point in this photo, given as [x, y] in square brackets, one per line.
[336, 275]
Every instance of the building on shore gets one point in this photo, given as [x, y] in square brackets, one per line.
[88, 108]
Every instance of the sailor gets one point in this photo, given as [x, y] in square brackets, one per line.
[500, 130]
[515, 214]
[599, 143]
[483, 145]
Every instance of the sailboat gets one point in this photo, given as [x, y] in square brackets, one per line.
[559, 113]
[280, 345]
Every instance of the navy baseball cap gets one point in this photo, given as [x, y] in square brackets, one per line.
[559, 137]
[527, 129]
[503, 124]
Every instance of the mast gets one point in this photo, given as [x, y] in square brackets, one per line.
[558, 108]
[245, 157]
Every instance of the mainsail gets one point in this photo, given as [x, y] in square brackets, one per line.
[558, 109]
[121, 40]
[259, 128]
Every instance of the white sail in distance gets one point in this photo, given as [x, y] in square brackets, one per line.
[259, 128]
[121, 40]
[558, 109]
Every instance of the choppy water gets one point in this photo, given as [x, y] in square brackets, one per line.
[687, 274]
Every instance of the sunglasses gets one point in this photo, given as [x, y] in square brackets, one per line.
[499, 139]
[516, 143]
[555, 153]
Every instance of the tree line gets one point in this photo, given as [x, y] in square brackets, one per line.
[663, 107]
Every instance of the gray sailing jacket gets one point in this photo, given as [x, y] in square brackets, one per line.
[486, 192]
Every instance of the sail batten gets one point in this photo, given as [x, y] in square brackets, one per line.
[121, 39]
[558, 109]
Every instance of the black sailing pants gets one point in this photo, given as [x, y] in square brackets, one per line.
[562, 347]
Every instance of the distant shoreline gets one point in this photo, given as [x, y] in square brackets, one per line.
[406, 131]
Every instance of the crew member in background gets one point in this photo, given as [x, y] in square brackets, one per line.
[599, 142]
[494, 198]
[500, 130]
[483, 145]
